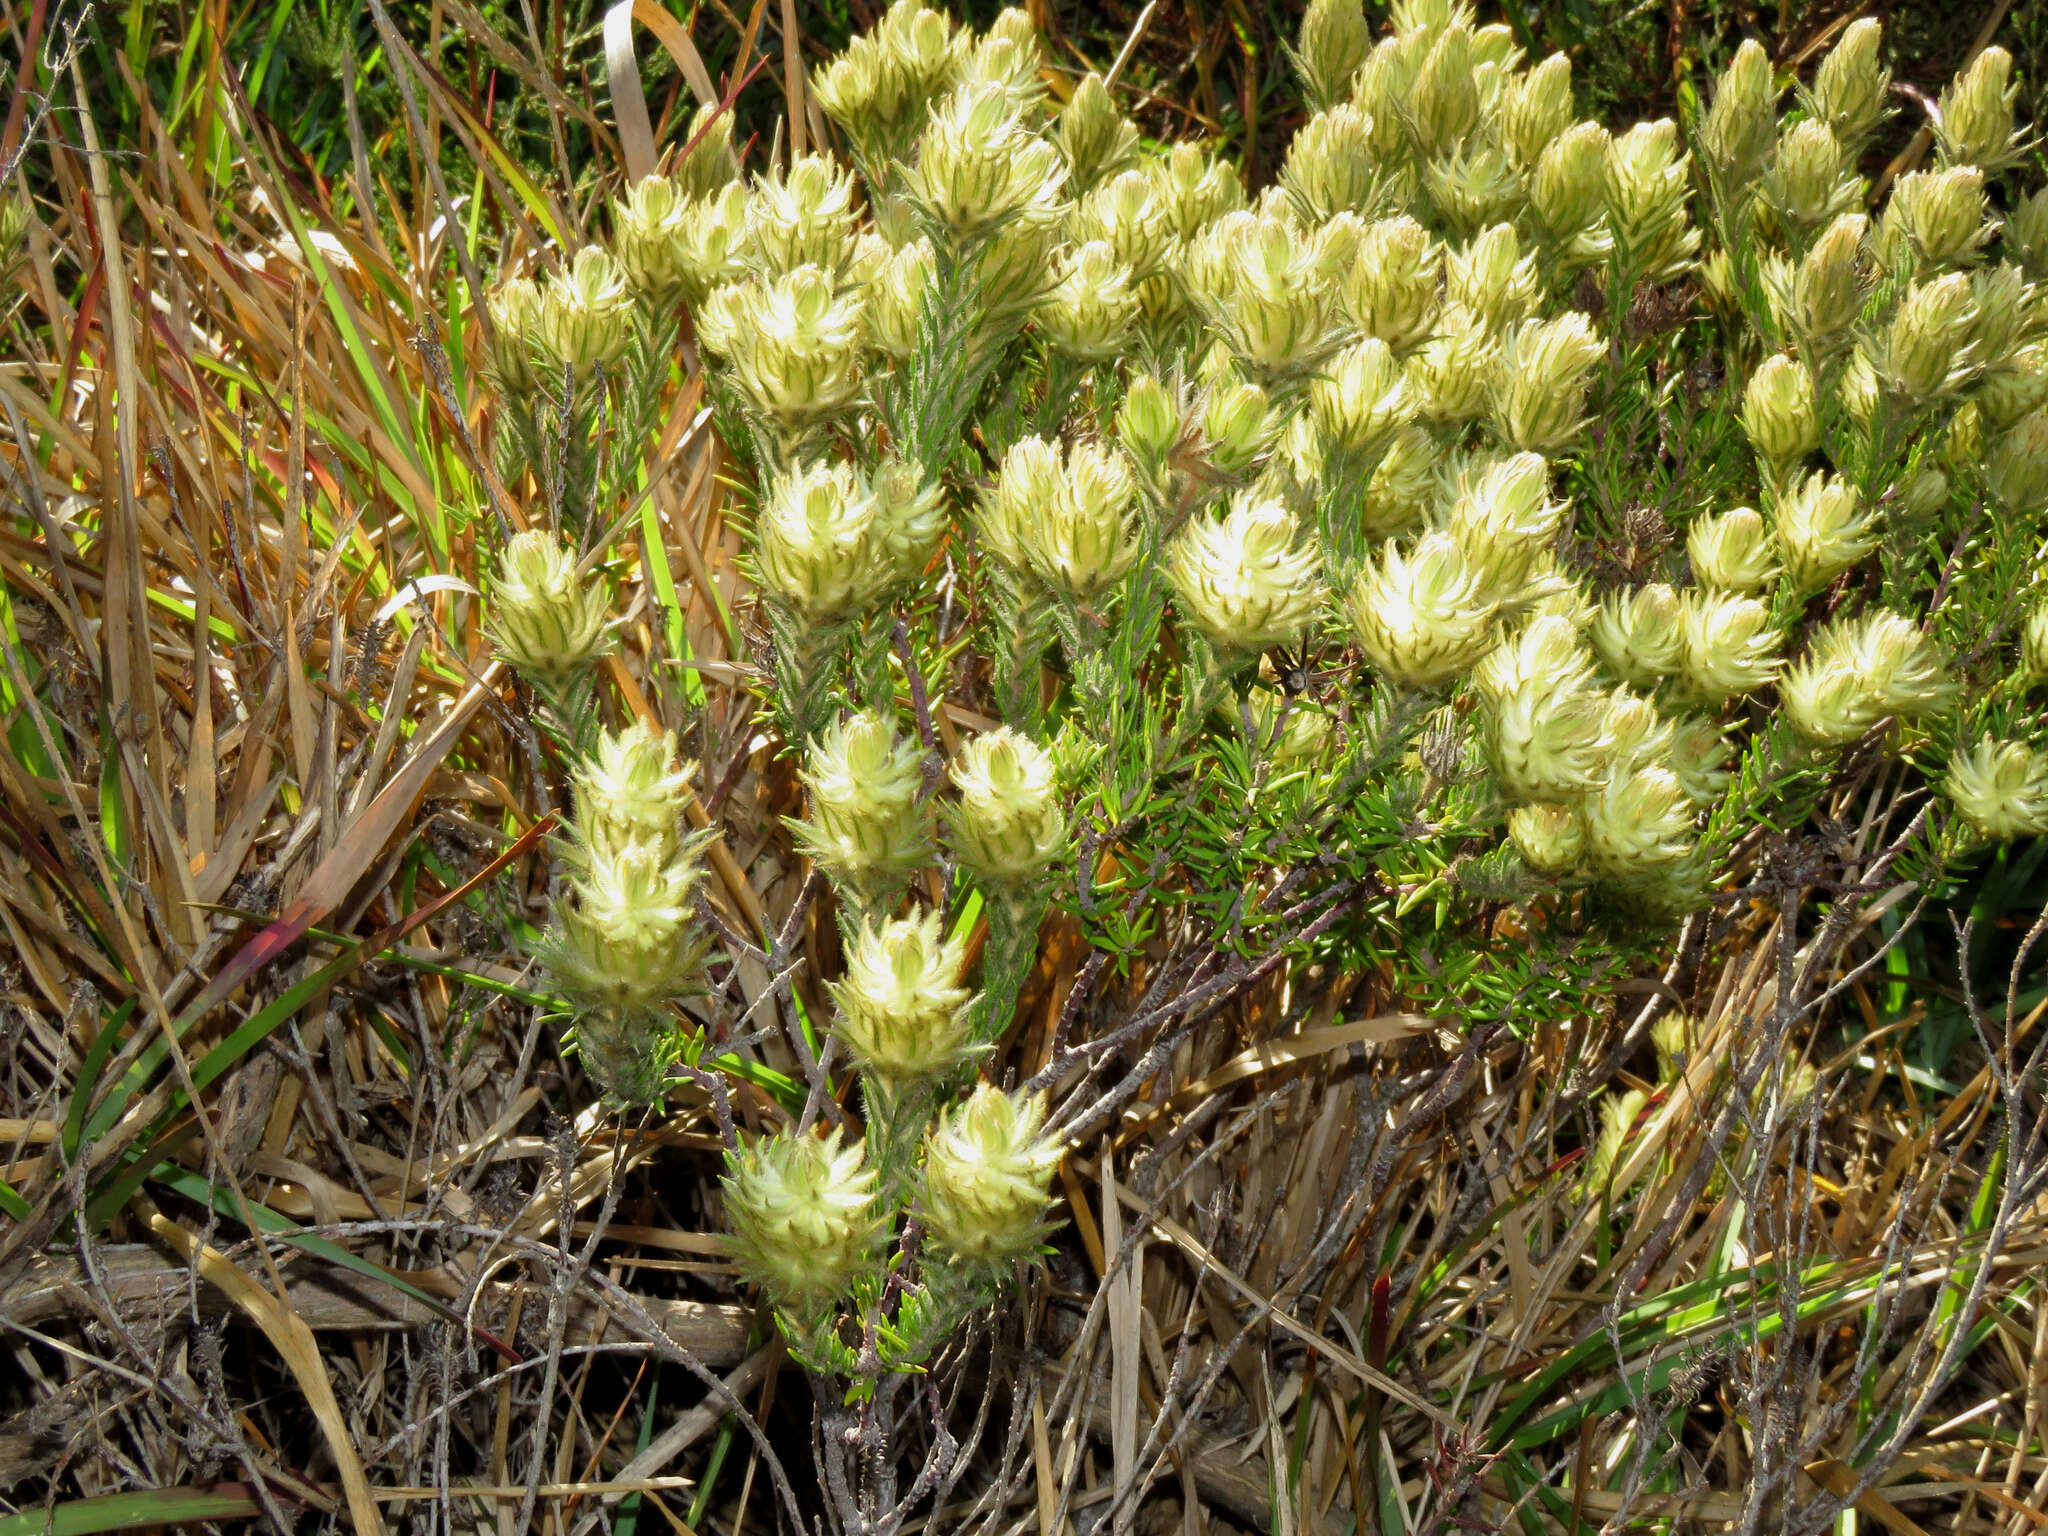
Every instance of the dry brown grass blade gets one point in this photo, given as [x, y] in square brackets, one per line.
[329, 1299]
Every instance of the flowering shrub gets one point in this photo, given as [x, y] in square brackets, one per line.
[1499, 510]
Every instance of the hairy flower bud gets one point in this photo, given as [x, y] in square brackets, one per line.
[1125, 214]
[1975, 123]
[1858, 671]
[1942, 214]
[2000, 788]
[1402, 487]
[630, 790]
[1674, 1036]
[514, 307]
[910, 518]
[1195, 188]
[1267, 305]
[2016, 390]
[1008, 825]
[1852, 86]
[1092, 308]
[1856, 389]
[1925, 494]
[804, 1218]
[1741, 125]
[1828, 287]
[1492, 279]
[1452, 377]
[1333, 42]
[16, 215]
[793, 342]
[1540, 386]
[1390, 289]
[1778, 413]
[1547, 738]
[707, 165]
[712, 242]
[1927, 352]
[1732, 551]
[1443, 106]
[1535, 108]
[815, 544]
[1008, 56]
[1148, 425]
[2026, 235]
[1823, 528]
[1548, 837]
[1243, 579]
[2009, 315]
[1094, 139]
[1361, 401]
[866, 827]
[979, 167]
[1027, 485]
[987, 1175]
[1504, 521]
[1420, 617]
[1729, 646]
[546, 621]
[895, 298]
[802, 217]
[1237, 424]
[1568, 192]
[1087, 535]
[1330, 167]
[1700, 755]
[902, 1011]
[1638, 821]
[1618, 1115]
[2017, 470]
[1637, 634]
[623, 944]
[1546, 652]
[1016, 270]
[1474, 188]
[1809, 181]
[1638, 733]
[1645, 184]
[647, 238]
[584, 313]
[2034, 643]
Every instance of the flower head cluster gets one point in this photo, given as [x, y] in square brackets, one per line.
[1860, 671]
[2000, 788]
[1245, 580]
[868, 825]
[804, 1216]
[902, 1010]
[830, 540]
[1190, 407]
[1008, 825]
[625, 941]
[547, 620]
[1069, 519]
[793, 342]
[987, 1170]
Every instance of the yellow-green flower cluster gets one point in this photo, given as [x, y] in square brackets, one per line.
[625, 941]
[804, 1216]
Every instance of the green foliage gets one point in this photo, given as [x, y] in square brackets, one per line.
[1330, 547]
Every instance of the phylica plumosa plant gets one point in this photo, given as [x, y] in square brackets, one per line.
[1271, 547]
